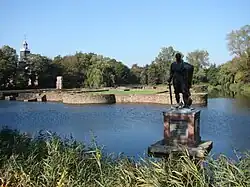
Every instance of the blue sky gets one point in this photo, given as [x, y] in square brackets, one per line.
[130, 31]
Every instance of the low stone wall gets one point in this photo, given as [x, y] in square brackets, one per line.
[54, 96]
[81, 98]
[1, 96]
[89, 98]
[142, 98]
[198, 98]
[31, 97]
[26, 96]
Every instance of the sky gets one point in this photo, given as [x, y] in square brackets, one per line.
[129, 31]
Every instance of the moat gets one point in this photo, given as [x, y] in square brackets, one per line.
[130, 128]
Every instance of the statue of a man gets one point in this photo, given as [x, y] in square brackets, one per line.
[182, 75]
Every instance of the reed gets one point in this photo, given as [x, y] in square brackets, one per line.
[51, 161]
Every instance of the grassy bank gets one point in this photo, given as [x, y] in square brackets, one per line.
[135, 91]
[158, 89]
[51, 161]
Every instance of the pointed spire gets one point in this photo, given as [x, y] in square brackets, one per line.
[25, 45]
[25, 49]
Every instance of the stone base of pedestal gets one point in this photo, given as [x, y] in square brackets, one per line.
[162, 149]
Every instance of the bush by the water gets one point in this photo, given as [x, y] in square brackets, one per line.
[200, 88]
[49, 161]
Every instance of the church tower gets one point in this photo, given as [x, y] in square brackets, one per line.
[24, 51]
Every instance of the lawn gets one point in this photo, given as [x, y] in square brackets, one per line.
[122, 92]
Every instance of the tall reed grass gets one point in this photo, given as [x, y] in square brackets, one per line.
[51, 161]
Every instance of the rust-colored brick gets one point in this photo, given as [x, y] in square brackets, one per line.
[182, 128]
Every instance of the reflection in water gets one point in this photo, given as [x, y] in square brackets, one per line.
[130, 128]
[242, 102]
[222, 93]
[227, 125]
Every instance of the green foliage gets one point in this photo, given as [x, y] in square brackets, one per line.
[91, 70]
[200, 60]
[39, 66]
[200, 88]
[95, 71]
[238, 70]
[212, 75]
[246, 89]
[154, 74]
[163, 61]
[8, 64]
[239, 41]
[48, 160]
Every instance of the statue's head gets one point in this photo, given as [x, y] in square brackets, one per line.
[178, 57]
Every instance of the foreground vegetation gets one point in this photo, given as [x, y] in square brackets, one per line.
[92, 70]
[48, 160]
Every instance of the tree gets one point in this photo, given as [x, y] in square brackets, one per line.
[212, 75]
[144, 75]
[37, 67]
[226, 75]
[154, 74]
[8, 66]
[95, 78]
[239, 46]
[200, 60]
[121, 72]
[164, 59]
[136, 73]
[100, 75]
[239, 41]
[72, 70]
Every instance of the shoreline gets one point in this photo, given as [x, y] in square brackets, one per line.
[103, 96]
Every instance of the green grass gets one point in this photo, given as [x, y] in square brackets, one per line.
[159, 89]
[51, 161]
[121, 92]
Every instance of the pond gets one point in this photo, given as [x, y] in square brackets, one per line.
[131, 128]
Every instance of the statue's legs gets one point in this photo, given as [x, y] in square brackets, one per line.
[177, 91]
[181, 87]
[189, 97]
[186, 95]
[186, 99]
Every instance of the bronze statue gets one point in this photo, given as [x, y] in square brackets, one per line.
[182, 74]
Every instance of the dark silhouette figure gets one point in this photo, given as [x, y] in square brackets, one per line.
[182, 75]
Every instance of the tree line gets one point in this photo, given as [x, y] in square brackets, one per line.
[93, 70]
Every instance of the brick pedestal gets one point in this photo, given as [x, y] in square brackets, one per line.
[182, 126]
[181, 130]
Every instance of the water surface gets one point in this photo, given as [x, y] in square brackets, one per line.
[131, 128]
